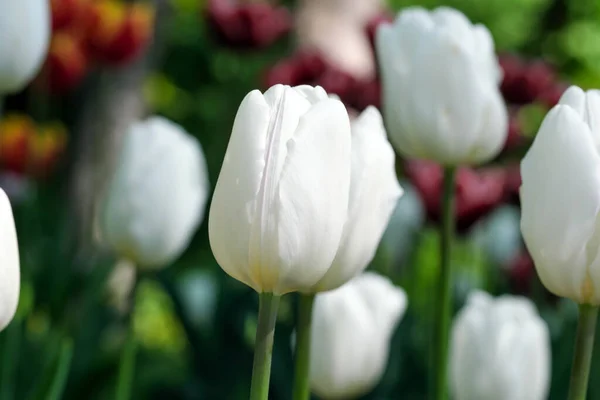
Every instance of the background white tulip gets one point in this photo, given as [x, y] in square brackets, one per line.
[10, 276]
[157, 196]
[281, 200]
[440, 80]
[351, 332]
[500, 350]
[560, 197]
[374, 193]
[24, 40]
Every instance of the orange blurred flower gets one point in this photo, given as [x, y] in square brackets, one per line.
[26, 148]
[66, 64]
[67, 14]
[16, 131]
[46, 148]
[117, 32]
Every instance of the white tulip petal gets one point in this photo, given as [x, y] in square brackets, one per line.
[24, 41]
[310, 224]
[351, 331]
[232, 209]
[495, 123]
[10, 275]
[448, 127]
[374, 193]
[587, 105]
[440, 87]
[281, 200]
[157, 196]
[560, 198]
[486, 53]
[500, 350]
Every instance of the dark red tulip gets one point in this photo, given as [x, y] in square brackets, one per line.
[512, 182]
[65, 65]
[512, 68]
[552, 94]
[364, 94]
[538, 77]
[301, 68]
[478, 192]
[523, 82]
[521, 272]
[247, 25]
[306, 68]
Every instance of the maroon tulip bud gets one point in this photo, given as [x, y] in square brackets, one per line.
[513, 69]
[552, 94]
[537, 79]
[364, 94]
[247, 25]
[301, 68]
[521, 272]
[478, 192]
[512, 183]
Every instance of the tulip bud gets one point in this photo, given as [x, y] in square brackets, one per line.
[440, 80]
[118, 32]
[9, 263]
[374, 193]
[560, 198]
[66, 13]
[281, 200]
[500, 350]
[23, 41]
[66, 64]
[250, 25]
[16, 131]
[477, 191]
[350, 338]
[46, 148]
[302, 68]
[157, 195]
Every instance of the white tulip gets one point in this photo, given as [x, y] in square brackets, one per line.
[351, 332]
[500, 350]
[440, 79]
[157, 195]
[374, 193]
[24, 40]
[281, 200]
[560, 197]
[10, 275]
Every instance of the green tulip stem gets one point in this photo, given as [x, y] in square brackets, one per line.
[263, 348]
[127, 363]
[302, 348]
[10, 357]
[61, 374]
[584, 344]
[444, 285]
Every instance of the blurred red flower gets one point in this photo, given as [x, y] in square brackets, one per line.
[477, 191]
[65, 66]
[247, 25]
[117, 32]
